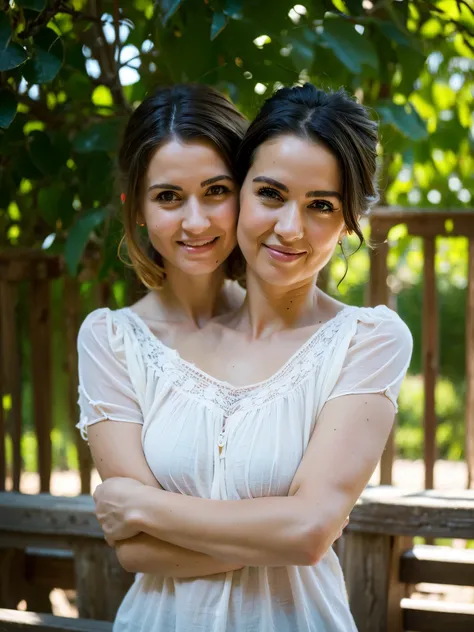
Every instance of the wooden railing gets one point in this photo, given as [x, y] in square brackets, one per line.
[427, 224]
[376, 565]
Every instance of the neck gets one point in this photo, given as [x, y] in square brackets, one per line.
[195, 299]
[269, 308]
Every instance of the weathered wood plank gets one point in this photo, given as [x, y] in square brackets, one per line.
[17, 621]
[41, 372]
[379, 295]
[71, 329]
[430, 357]
[101, 582]
[469, 416]
[381, 509]
[438, 565]
[421, 615]
[367, 562]
[427, 222]
[11, 366]
[50, 568]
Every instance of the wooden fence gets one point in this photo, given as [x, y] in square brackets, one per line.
[427, 224]
[377, 566]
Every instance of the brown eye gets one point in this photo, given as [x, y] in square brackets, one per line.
[323, 206]
[270, 194]
[167, 196]
[217, 189]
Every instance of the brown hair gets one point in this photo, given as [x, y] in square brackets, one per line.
[333, 119]
[183, 112]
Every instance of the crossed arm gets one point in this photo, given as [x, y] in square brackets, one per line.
[345, 447]
[117, 452]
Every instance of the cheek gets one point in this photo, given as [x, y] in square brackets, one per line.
[226, 214]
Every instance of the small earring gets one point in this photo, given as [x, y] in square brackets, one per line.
[141, 224]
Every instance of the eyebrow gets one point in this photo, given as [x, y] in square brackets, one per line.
[204, 183]
[165, 185]
[324, 194]
[310, 194]
[175, 187]
[275, 183]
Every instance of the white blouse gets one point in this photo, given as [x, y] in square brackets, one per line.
[127, 374]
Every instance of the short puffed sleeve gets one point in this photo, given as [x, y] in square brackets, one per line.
[106, 389]
[378, 355]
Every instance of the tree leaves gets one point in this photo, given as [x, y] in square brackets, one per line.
[47, 58]
[98, 137]
[351, 48]
[8, 105]
[34, 5]
[404, 118]
[79, 236]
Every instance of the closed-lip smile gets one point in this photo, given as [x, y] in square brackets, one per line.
[284, 253]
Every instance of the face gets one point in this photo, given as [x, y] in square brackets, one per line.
[290, 211]
[189, 206]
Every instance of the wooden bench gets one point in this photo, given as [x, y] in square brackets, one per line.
[69, 527]
[15, 620]
[377, 564]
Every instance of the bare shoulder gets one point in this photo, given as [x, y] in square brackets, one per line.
[326, 307]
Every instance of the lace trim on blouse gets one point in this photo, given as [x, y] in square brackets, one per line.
[187, 378]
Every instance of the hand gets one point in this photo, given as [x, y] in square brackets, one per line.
[115, 508]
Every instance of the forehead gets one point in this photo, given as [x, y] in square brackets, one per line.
[178, 162]
[297, 163]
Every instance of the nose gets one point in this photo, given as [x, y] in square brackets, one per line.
[195, 218]
[289, 225]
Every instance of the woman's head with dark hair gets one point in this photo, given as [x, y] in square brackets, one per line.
[307, 166]
[177, 170]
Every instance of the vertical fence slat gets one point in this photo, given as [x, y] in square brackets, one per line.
[41, 372]
[11, 356]
[430, 356]
[3, 460]
[469, 417]
[71, 321]
[379, 295]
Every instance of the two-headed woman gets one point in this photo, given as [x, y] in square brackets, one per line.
[236, 433]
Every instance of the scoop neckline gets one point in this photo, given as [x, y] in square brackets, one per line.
[223, 384]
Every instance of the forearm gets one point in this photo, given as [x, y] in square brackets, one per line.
[145, 554]
[276, 531]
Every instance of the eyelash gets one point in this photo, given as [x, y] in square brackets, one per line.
[273, 194]
[210, 192]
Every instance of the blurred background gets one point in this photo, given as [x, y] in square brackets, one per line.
[71, 73]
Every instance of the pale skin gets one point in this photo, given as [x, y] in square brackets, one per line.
[200, 204]
[291, 201]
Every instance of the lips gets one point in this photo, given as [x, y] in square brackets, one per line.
[283, 253]
[198, 245]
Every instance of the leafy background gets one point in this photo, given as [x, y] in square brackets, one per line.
[71, 73]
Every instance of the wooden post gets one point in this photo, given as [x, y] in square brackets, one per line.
[71, 329]
[379, 295]
[11, 368]
[41, 370]
[100, 580]
[370, 564]
[430, 356]
[470, 368]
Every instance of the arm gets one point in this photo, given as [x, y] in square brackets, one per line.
[117, 451]
[351, 432]
[108, 407]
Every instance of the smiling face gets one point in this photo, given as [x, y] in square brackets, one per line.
[290, 211]
[189, 206]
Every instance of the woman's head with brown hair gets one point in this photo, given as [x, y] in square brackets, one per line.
[178, 179]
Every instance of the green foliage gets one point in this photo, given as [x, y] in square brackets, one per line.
[71, 77]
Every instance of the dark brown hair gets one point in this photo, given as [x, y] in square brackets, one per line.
[338, 122]
[183, 112]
